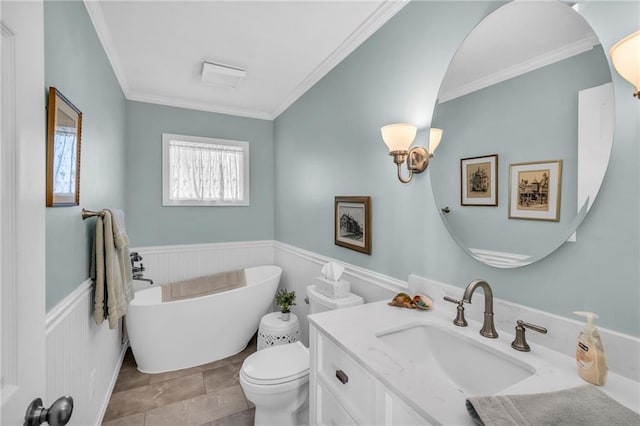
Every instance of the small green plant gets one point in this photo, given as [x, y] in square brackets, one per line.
[285, 299]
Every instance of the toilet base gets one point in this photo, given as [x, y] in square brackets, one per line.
[293, 412]
[302, 415]
[266, 417]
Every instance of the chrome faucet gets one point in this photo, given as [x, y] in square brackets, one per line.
[140, 278]
[488, 329]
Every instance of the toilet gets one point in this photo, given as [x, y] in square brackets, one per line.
[276, 379]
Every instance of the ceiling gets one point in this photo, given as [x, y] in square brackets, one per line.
[157, 48]
[517, 38]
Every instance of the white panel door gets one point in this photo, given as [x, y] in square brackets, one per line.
[22, 218]
[596, 118]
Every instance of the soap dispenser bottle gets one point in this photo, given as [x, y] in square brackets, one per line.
[590, 357]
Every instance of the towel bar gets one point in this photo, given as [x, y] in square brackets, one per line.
[88, 213]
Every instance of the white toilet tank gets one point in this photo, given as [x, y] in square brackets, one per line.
[320, 303]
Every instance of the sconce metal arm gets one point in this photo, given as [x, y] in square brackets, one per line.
[417, 161]
[403, 180]
[399, 157]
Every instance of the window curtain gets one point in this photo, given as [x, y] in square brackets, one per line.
[205, 172]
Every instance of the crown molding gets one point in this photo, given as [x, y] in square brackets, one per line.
[96, 15]
[94, 9]
[379, 17]
[200, 106]
[548, 58]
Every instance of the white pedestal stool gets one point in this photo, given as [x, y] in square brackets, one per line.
[275, 331]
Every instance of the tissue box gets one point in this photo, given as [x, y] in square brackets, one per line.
[334, 289]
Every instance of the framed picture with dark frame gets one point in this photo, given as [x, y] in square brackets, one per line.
[352, 225]
[479, 181]
[534, 190]
[64, 131]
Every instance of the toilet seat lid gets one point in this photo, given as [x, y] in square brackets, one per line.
[277, 364]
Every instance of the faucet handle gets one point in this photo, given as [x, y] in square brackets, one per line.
[452, 300]
[135, 256]
[520, 342]
[460, 321]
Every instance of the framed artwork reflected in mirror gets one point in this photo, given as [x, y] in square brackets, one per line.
[534, 190]
[479, 181]
[64, 131]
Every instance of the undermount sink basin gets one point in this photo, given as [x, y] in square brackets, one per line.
[475, 368]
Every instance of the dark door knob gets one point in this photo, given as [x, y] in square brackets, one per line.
[57, 415]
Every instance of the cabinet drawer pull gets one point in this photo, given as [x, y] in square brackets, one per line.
[342, 376]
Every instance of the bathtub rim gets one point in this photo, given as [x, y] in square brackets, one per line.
[157, 289]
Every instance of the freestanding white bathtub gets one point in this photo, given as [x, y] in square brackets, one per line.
[186, 333]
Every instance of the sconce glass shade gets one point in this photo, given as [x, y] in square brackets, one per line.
[435, 136]
[625, 56]
[398, 137]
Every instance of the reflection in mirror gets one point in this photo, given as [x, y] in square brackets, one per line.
[530, 83]
[63, 151]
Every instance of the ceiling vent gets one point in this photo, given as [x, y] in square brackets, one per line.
[222, 75]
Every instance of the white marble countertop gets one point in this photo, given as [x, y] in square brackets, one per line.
[434, 397]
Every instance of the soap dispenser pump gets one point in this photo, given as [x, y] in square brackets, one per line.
[590, 356]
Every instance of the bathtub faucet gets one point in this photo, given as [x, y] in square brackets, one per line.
[135, 269]
[135, 257]
[137, 272]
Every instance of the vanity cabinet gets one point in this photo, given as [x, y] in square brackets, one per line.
[342, 392]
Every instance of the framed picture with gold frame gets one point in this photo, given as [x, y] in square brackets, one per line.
[64, 131]
[479, 181]
[352, 224]
[534, 190]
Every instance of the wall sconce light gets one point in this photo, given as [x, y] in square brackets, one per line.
[398, 137]
[625, 56]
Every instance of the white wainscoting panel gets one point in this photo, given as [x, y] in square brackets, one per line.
[301, 267]
[165, 264]
[83, 359]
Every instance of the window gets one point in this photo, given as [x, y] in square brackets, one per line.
[200, 171]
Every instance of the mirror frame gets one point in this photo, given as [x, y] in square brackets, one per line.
[57, 102]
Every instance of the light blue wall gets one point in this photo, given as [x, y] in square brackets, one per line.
[77, 66]
[149, 223]
[328, 143]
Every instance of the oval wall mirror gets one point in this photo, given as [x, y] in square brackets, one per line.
[527, 111]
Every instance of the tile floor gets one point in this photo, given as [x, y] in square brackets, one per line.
[207, 395]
